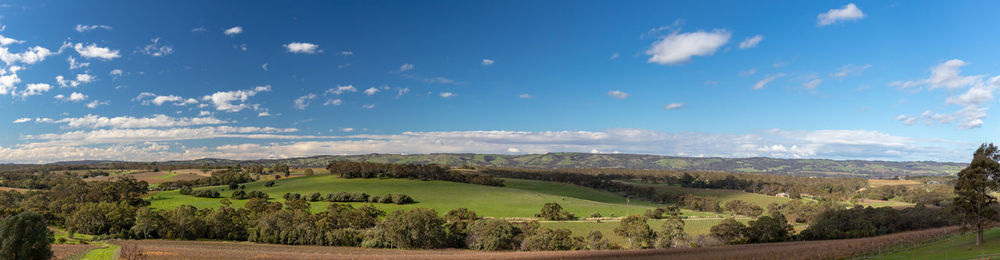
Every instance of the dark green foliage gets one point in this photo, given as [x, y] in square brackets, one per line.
[458, 221]
[102, 218]
[700, 203]
[492, 235]
[415, 228]
[269, 184]
[411, 171]
[226, 177]
[553, 211]
[545, 239]
[768, 229]
[636, 232]
[205, 193]
[596, 241]
[25, 236]
[867, 221]
[672, 229]
[739, 207]
[730, 231]
[315, 196]
[975, 201]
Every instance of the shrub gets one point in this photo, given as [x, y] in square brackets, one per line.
[415, 228]
[545, 239]
[636, 232]
[491, 235]
[553, 211]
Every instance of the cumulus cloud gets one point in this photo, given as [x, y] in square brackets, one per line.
[617, 94]
[974, 102]
[487, 62]
[447, 94]
[751, 42]
[94, 51]
[35, 89]
[302, 47]
[234, 101]
[346, 53]
[22, 120]
[371, 91]
[156, 49]
[116, 72]
[302, 102]
[73, 64]
[233, 31]
[334, 102]
[147, 98]
[155, 121]
[87, 28]
[341, 89]
[834, 144]
[80, 79]
[526, 96]
[849, 12]
[73, 97]
[368, 106]
[945, 75]
[678, 48]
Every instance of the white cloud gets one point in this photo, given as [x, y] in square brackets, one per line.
[224, 100]
[678, 48]
[341, 89]
[405, 67]
[447, 94]
[116, 72]
[30, 56]
[156, 121]
[93, 51]
[156, 50]
[199, 29]
[526, 96]
[617, 94]
[346, 53]
[673, 106]
[851, 70]
[87, 28]
[401, 91]
[335, 102]
[95, 103]
[613, 56]
[35, 89]
[849, 12]
[73, 64]
[22, 120]
[487, 62]
[812, 84]
[748, 72]
[147, 98]
[74, 97]
[946, 75]
[371, 91]
[760, 84]
[302, 47]
[302, 102]
[347, 129]
[4, 41]
[233, 31]
[751, 42]
[368, 106]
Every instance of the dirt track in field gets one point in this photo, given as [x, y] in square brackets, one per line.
[831, 249]
[70, 251]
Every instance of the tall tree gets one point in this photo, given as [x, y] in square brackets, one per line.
[25, 236]
[975, 183]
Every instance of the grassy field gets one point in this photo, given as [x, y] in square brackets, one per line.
[520, 198]
[880, 182]
[961, 246]
[723, 195]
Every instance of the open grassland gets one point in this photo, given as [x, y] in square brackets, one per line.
[723, 195]
[154, 178]
[827, 249]
[960, 246]
[885, 203]
[520, 198]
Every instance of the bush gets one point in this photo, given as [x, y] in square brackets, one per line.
[729, 231]
[206, 194]
[416, 228]
[636, 232]
[596, 241]
[309, 172]
[553, 211]
[491, 235]
[545, 239]
[269, 184]
[400, 198]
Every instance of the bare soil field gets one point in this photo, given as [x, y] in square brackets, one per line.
[830, 249]
[71, 251]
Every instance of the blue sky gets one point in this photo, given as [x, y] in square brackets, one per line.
[140, 80]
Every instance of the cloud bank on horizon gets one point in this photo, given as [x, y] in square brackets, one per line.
[799, 80]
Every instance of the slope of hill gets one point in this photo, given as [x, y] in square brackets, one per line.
[809, 167]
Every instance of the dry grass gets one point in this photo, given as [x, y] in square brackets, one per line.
[71, 251]
[879, 183]
[160, 177]
[12, 189]
[830, 249]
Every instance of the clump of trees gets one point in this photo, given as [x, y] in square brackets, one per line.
[242, 195]
[976, 183]
[768, 228]
[187, 190]
[637, 232]
[739, 207]
[553, 211]
[868, 221]
[25, 236]
[230, 176]
[348, 169]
